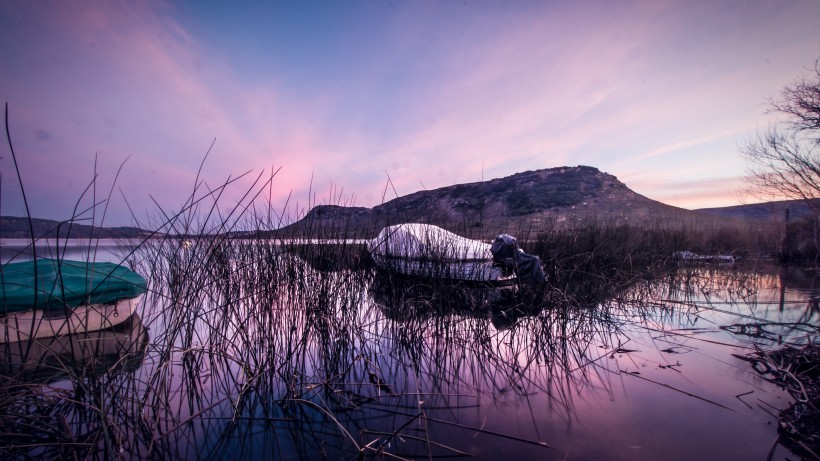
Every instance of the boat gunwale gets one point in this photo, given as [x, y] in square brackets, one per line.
[80, 319]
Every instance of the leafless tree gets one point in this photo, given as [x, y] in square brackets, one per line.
[800, 102]
[784, 160]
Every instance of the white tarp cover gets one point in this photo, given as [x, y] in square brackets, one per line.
[420, 241]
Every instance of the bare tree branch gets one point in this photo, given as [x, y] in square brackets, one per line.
[800, 103]
[784, 161]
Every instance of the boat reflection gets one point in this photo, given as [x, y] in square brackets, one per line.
[402, 298]
[116, 350]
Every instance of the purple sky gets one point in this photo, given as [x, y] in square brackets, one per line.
[660, 94]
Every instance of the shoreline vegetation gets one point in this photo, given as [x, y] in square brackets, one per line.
[577, 206]
[766, 230]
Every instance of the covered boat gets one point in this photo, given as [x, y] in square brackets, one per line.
[50, 297]
[424, 250]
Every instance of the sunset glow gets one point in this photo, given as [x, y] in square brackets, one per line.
[344, 94]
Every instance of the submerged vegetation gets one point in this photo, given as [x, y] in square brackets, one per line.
[795, 368]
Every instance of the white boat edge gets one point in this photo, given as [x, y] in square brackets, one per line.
[33, 324]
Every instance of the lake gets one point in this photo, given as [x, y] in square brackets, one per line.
[254, 350]
[110, 250]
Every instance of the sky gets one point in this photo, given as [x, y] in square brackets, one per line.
[356, 102]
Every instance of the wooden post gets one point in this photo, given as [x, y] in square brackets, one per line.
[785, 252]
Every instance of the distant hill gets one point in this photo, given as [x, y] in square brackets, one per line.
[763, 211]
[17, 227]
[518, 203]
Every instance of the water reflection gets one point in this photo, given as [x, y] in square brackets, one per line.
[256, 353]
[108, 250]
[116, 350]
[69, 396]
[405, 299]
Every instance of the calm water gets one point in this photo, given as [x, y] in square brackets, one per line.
[110, 250]
[257, 353]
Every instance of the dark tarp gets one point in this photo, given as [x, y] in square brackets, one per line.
[62, 283]
[527, 267]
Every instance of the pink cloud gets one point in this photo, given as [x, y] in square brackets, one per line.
[167, 108]
[632, 89]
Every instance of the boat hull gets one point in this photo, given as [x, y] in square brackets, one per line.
[32, 324]
[46, 360]
[474, 271]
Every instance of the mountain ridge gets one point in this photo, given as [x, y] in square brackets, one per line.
[521, 202]
[18, 227]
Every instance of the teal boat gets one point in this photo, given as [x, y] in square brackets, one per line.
[48, 297]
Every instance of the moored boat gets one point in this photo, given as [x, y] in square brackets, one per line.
[425, 250]
[48, 297]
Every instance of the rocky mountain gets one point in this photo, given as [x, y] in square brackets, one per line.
[518, 203]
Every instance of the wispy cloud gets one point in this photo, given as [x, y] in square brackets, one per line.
[432, 94]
